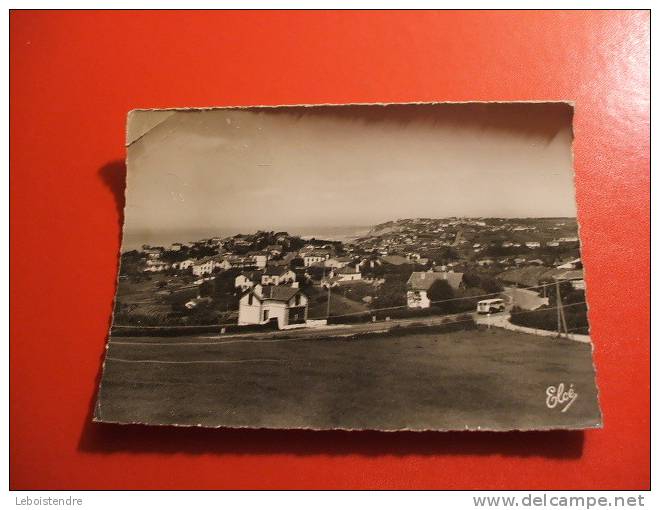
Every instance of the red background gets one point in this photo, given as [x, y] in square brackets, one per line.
[76, 74]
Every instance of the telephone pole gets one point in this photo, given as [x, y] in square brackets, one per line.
[563, 316]
[327, 313]
[558, 306]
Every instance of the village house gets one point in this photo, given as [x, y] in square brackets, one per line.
[574, 276]
[279, 263]
[206, 266]
[395, 260]
[156, 266]
[238, 262]
[571, 264]
[315, 257]
[485, 262]
[420, 282]
[284, 305]
[533, 244]
[347, 274]
[369, 263]
[277, 275]
[528, 276]
[152, 252]
[184, 264]
[274, 250]
[258, 259]
[337, 262]
[193, 303]
[247, 279]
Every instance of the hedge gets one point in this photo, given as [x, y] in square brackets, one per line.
[546, 318]
[191, 330]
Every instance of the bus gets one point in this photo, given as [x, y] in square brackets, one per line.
[490, 306]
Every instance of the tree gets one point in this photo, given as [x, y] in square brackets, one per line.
[131, 263]
[440, 291]
[491, 285]
[472, 280]
[443, 255]
[206, 288]
[296, 262]
[392, 293]
[565, 288]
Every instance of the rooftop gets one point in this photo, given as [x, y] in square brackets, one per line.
[277, 292]
[421, 280]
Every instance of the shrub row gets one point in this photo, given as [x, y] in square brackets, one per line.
[191, 330]
[398, 313]
[546, 318]
[461, 323]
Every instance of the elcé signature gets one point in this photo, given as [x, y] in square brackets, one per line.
[558, 395]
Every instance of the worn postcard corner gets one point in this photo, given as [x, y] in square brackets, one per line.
[392, 267]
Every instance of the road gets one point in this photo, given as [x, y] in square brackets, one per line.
[524, 298]
[521, 297]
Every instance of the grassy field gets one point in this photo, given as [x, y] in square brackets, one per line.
[339, 304]
[491, 379]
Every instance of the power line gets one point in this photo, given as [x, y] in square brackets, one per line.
[446, 316]
[364, 312]
[398, 307]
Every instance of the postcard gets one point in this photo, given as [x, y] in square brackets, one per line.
[368, 266]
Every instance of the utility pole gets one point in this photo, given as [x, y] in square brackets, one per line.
[558, 306]
[329, 294]
[327, 311]
[563, 316]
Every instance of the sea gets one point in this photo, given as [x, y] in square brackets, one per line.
[135, 239]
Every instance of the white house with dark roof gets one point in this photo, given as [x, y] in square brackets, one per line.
[247, 279]
[277, 275]
[258, 258]
[420, 282]
[315, 257]
[263, 304]
[184, 264]
[347, 274]
[207, 265]
[156, 266]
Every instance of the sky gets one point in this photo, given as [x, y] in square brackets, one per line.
[239, 170]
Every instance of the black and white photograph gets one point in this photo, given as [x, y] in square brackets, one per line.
[356, 267]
